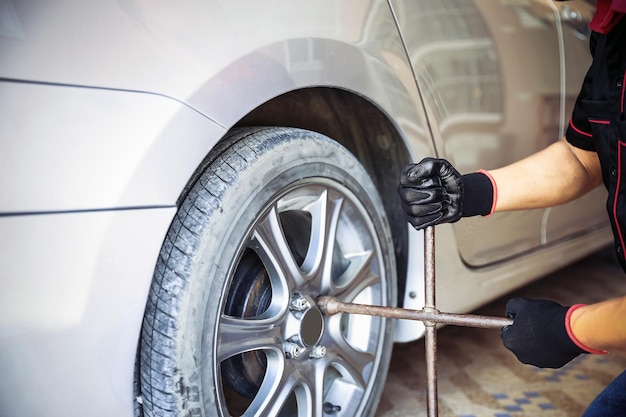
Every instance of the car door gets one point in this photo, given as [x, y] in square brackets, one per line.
[489, 74]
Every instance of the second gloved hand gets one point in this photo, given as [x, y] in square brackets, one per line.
[538, 335]
[433, 192]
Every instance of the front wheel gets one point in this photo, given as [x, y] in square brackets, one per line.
[279, 217]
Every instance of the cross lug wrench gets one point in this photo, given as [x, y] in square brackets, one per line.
[429, 315]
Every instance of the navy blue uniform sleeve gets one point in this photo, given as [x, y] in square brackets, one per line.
[579, 130]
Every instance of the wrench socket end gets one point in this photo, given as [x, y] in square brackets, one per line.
[328, 305]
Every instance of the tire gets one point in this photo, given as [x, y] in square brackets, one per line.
[279, 217]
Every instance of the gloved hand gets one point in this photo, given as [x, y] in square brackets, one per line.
[538, 335]
[433, 192]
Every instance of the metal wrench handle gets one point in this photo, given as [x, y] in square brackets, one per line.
[330, 306]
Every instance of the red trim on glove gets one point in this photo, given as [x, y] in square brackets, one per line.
[495, 191]
[571, 334]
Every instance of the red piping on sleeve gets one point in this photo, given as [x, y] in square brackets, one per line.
[623, 88]
[578, 130]
[620, 146]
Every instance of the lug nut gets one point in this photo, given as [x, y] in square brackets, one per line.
[292, 350]
[318, 352]
[298, 303]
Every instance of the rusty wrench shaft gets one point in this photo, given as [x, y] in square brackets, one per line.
[330, 306]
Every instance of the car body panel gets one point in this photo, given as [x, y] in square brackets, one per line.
[86, 148]
[219, 57]
[74, 292]
[107, 108]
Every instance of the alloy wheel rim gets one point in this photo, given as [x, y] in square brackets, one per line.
[276, 354]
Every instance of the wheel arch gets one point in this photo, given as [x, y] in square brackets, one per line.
[357, 124]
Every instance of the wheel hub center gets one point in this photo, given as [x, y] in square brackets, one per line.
[311, 327]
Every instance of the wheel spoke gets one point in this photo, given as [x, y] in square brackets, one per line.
[239, 335]
[274, 391]
[357, 277]
[354, 363]
[270, 244]
[325, 212]
[315, 401]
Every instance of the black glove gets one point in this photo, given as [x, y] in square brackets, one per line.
[538, 335]
[433, 192]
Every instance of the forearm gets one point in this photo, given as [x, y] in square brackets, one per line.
[601, 326]
[553, 176]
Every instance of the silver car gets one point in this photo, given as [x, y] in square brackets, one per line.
[180, 181]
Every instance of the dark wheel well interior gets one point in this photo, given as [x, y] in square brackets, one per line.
[359, 126]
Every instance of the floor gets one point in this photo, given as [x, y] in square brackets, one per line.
[478, 377]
